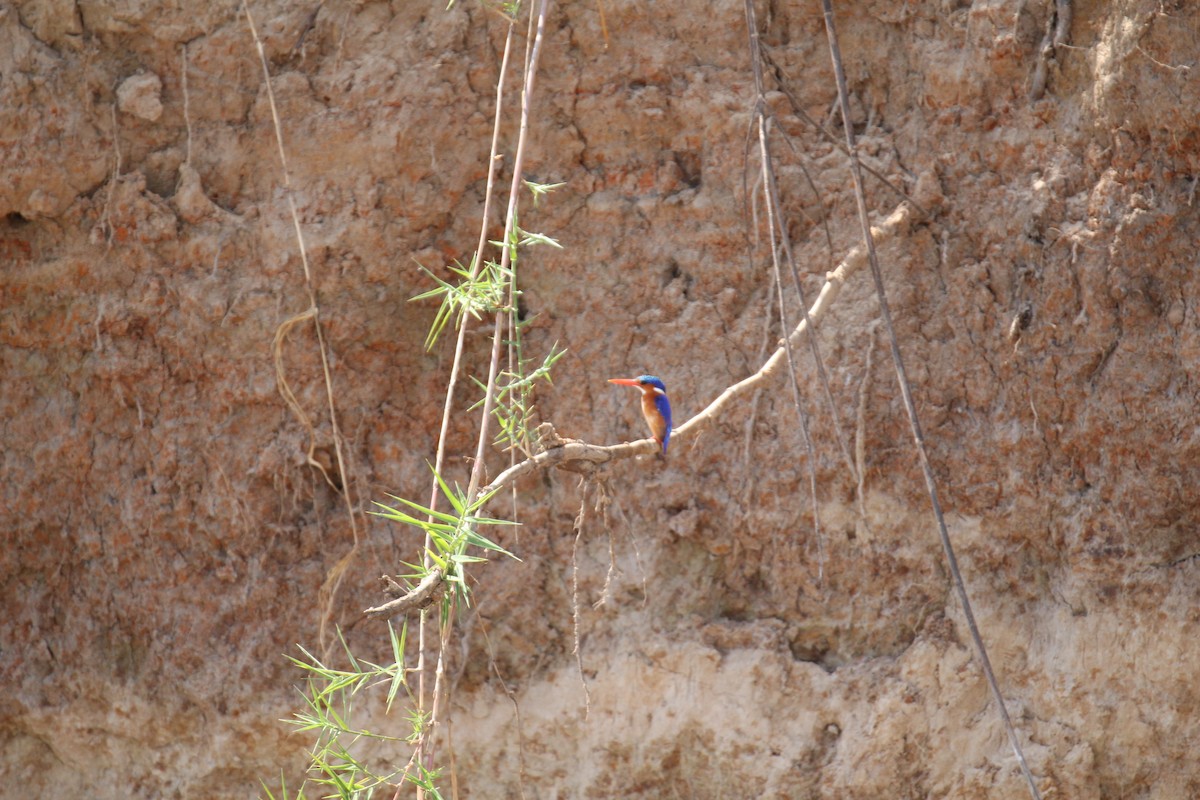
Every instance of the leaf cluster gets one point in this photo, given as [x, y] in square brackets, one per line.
[450, 534]
[478, 293]
[329, 696]
[514, 398]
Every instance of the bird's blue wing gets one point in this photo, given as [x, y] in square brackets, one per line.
[664, 409]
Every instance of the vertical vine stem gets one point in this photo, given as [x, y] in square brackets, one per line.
[333, 581]
[456, 365]
[510, 225]
[909, 406]
[776, 223]
[773, 224]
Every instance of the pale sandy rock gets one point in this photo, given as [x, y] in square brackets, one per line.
[140, 95]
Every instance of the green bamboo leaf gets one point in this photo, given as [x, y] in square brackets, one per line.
[334, 780]
[398, 677]
[346, 647]
[540, 190]
[444, 517]
[417, 575]
[441, 542]
[451, 496]
[303, 722]
[311, 658]
[399, 516]
[283, 791]
[483, 387]
[486, 544]
[530, 239]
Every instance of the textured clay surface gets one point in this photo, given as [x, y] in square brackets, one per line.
[167, 539]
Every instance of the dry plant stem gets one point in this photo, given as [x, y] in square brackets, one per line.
[510, 223]
[611, 572]
[334, 580]
[777, 224]
[584, 486]
[452, 382]
[187, 114]
[812, 185]
[511, 318]
[105, 217]
[1058, 30]
[580, 456]
[493, 164]
[794, 382]
[909, 405]
[752, 417]
[497, 341]
[285, 390]
[897, 221]
[860, 428]
[772, 190]
[781, 80]
[512, 698]
[439, 689]
[773, 224]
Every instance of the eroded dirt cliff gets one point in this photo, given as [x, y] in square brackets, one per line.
[167, 540]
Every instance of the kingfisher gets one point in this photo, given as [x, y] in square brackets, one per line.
[655, 407]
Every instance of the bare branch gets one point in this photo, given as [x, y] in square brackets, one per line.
[897, 222]
[424, 595]
[576, 456]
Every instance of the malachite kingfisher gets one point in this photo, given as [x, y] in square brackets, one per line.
[655, 407]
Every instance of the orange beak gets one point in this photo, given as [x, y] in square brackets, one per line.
[624, 381]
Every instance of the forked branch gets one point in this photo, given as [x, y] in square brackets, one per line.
[578, 456]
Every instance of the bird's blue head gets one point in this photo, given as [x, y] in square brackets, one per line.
[651, 381]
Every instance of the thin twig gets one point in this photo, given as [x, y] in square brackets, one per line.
[814, 344]
[581, 456]
[106, 215]
[187, 115]
[577, 649]
[896, 222]
[512, 697]
[774, 208]
[609, 510]
[794, 382]
[510, 224]
[1058, 31]
[333, 580]
[812, 185]
[798, 110]
[601, 505]
[756, 397]
[860, 429]
[909, 405]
